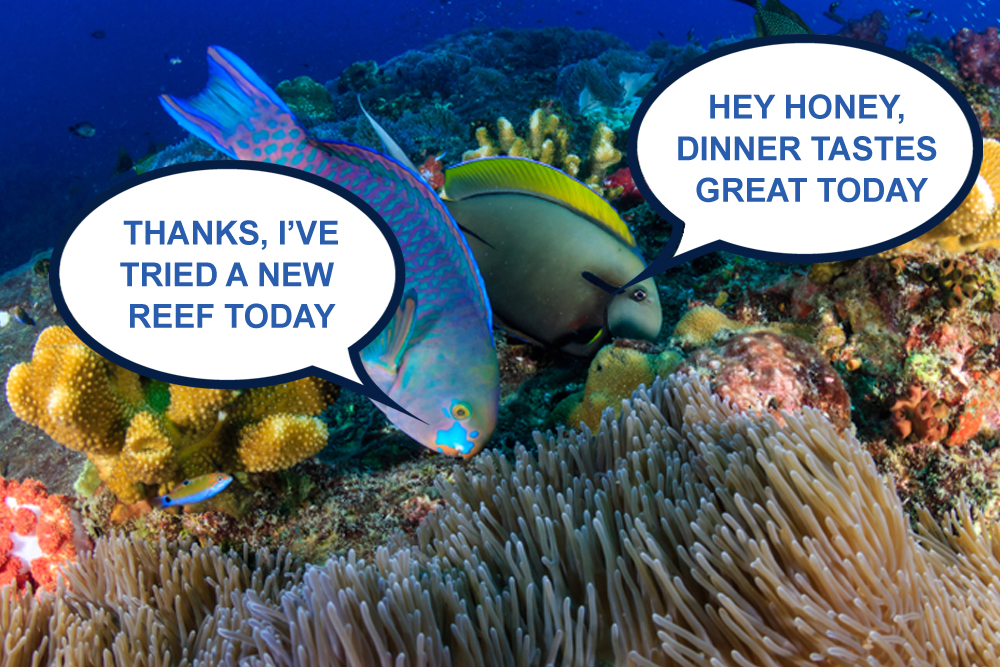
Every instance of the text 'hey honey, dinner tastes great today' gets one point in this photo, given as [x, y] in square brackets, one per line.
[833, 148]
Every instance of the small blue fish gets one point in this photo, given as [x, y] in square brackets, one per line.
[194, 490]
[21, 315]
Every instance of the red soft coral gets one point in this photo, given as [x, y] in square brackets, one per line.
[39, 533]
[868, 28]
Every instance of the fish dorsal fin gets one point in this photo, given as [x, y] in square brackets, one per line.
[512, 175]
[390, 145]
[387, 350]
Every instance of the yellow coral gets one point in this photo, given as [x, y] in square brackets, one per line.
[194, 409]
[144, 437]
[277, 442]
[614, 374]
[603, 154]
[977, 219]
[73, 394]
[700, 325]
[547, 141]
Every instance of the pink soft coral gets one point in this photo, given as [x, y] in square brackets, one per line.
[976, 54]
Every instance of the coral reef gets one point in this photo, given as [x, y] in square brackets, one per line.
[614, 374]
[145, 437]
[977, 219]
[919, 415]
[547, 141]
[621, 189]
[868, 28]
[983, 98]
[307, 99]
[977, 55]
[686, 533]
[39, 534]
[700, 325]
[776, 372]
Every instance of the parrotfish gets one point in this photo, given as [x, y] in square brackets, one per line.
[194, 490]
[436, 358]
[553, 253]
[774, 18]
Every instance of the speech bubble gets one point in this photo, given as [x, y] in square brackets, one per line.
[848, 89]
[229, 274]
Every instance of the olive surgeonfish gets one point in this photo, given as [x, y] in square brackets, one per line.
[774, 18]
[553, 255]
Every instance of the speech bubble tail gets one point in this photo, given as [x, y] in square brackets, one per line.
[677, 251]
[348, 372]
[370, 390]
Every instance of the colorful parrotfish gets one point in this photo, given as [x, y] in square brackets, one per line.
[194, 490]
[436, 358]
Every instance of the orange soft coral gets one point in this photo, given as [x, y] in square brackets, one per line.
[919, 417]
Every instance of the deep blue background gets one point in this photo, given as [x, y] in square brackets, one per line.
[54, 74]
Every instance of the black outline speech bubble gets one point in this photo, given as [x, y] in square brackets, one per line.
[666, 259]
[366, 388]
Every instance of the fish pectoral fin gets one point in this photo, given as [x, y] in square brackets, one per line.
[600, 283]
[387, 350]
[517, 333]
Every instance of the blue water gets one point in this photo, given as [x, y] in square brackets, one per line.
[55, 74]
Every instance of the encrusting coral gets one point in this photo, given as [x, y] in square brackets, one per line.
[700, 325]
[977, 219]
[307, 99]
[615, 372]
[686, 533]
[145, 436]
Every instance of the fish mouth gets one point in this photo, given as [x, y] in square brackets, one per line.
[459, 439]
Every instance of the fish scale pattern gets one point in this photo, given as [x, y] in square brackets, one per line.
[430, 246]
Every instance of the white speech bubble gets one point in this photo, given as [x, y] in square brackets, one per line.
[323, 276]
[928, 120]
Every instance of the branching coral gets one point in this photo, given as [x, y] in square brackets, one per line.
[144, 436]
[548, 141]
[685, 534]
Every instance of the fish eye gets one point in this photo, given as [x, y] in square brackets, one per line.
[460, 411]
[639, 295]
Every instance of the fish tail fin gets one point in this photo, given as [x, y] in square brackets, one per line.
[234, 104]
